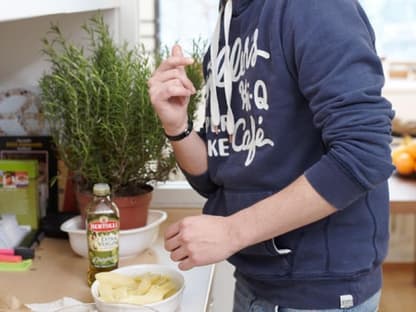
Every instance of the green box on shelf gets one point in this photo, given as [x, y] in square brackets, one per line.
[19, 193]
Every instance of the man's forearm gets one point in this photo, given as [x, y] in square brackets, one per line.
[294, 206]
[191, 154]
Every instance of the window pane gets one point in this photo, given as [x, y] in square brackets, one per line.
[394, 23]
[183, 21]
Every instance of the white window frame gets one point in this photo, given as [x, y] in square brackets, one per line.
[176, 194]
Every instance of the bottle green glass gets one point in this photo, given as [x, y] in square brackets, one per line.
[103, 227]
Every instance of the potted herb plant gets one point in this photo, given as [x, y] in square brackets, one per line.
[95, 99]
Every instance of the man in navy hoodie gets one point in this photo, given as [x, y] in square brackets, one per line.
[293, 157]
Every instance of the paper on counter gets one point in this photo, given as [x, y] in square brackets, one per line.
[54, 305]
[10, 303]
[11, 233]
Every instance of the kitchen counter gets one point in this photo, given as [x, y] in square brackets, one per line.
[403, 201]
[58, 272]
[402, 194]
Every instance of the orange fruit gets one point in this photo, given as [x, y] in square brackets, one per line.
[411, 148]
[397, 151]
[404, 163]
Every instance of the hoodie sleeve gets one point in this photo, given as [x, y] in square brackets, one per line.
[329, 48]
[202, 184]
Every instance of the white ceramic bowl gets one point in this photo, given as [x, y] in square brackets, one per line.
[92, 307]
[132, 242]
[170, 304]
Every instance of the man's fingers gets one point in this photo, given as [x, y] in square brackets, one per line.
[165, 92]
[172, 244]
[179, 254]
[186, 264]
[172, 230]
[173, 74]
[174, 62]
[177, 50]
[173, 68]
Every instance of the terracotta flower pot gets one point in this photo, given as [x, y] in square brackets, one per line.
[133, 209]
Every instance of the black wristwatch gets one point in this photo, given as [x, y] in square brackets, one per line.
[182, 135]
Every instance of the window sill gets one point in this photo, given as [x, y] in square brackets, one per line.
[176, 194]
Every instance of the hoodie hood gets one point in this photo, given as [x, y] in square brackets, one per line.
[238, 5]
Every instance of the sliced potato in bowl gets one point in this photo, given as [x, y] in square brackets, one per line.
[139, 288]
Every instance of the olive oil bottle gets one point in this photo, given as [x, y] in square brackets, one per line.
[103, 227]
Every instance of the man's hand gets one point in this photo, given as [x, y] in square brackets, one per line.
[200, 240]
[170, 89]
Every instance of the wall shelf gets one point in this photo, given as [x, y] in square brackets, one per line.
[24, 9]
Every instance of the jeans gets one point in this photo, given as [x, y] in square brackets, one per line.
[246, 301]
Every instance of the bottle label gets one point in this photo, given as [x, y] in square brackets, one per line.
[103, 241]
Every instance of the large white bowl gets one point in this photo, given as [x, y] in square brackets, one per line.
[132, 242]
[170, 304]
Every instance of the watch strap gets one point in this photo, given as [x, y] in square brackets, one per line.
[182, 135]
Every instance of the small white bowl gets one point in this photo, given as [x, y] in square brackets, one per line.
[170, 304]
[132, 242]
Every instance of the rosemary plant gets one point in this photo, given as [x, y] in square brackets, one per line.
[99, 111]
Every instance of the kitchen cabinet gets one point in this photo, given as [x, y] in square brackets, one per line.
[23, 9]
[23, 23]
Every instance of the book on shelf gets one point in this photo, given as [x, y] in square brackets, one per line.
[41, 150]
[19, 192]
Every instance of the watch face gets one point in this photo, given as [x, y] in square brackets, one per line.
[21, 113]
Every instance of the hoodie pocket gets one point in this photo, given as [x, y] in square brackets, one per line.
[262, 256]
[236, 201]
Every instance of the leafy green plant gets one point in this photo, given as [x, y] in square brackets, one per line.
[99, 112]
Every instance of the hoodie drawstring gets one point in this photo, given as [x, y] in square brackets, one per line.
[228, 70]
[215, 113]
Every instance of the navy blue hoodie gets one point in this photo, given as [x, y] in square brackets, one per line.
[306, 84]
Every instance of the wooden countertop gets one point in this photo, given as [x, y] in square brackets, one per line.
[58, 272]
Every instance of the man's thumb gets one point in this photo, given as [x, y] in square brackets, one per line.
[177, 50]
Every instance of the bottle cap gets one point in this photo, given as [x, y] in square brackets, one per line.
[101, 189]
